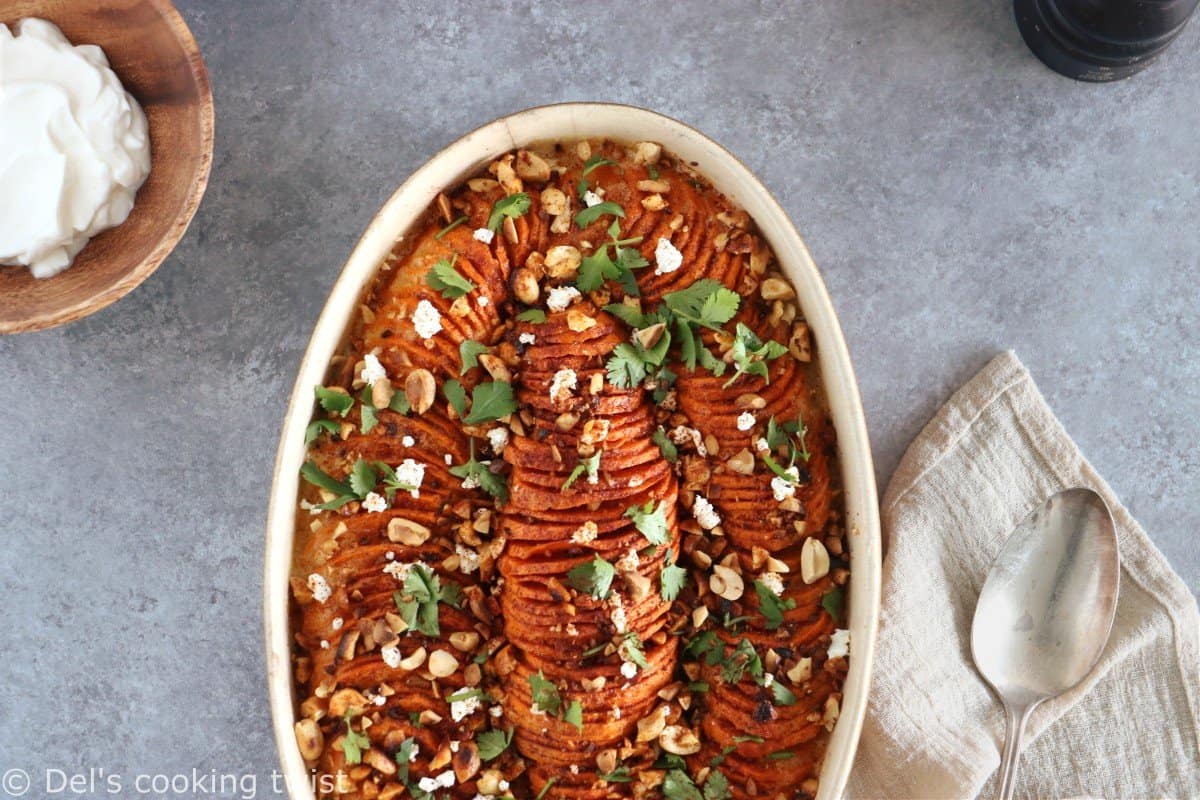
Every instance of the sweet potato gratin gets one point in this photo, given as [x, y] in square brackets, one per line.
[568, 525]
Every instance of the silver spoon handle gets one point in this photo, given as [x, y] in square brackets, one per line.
[1009, 760]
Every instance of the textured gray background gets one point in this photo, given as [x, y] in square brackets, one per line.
[959, 198]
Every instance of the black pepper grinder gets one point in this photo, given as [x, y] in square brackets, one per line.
[1100, 40]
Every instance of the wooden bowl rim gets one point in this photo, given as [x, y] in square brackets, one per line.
[127, 282]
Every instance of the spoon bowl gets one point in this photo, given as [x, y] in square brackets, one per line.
[1046, 609]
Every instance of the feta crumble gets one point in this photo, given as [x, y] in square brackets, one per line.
[426, 320]
[667, 257]
[628, 562]
[391, 655]
[782, 488]
[461, 709]
[585, 533]
[629, 669]
[372, 370]
[772, 581]
[412, 473]
[561, 296]
[498, 439]
[592, 199]
[745, 421]
[337, 623]
[484, 235]
[682, 435]
[408, 441]
[839, 645]
[594, 477]
[564, 383]
[443, 781]
[319, 588]
[705, 514]
[375, 502]
[468, 559]
[484, 301]
[527, 338]
[619, 620]
[760, 445]
[397, 570]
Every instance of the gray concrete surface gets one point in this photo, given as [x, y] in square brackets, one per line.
[960, 199]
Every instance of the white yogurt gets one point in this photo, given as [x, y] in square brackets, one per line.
[73, 147]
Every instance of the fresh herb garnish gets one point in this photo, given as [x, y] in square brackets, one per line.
[673, 579]
[618, 775]
[599, 267]
[625, 367]
[418, 601]
[590, 214]
[780, 755]
[771, 605]
[391, 483]
[470, 351]
[545, 694]
[345, 493]
[706, 303]
[716, 786]
[678, 785]
[833, 601]
[741, 661]
[632, 650]
[533, 315]
[512, 206]
[335, 401]
[481, 473]
[651, 522]
[367, 411]
[353, 743]
[444, 278]
[750, 354]
[574, 715]
[456, 396]
[665, 445]
[404, 757]
[782, 695]
[589, 465]
[593, 577]
[489, 402]
[546, 788]
[316, 426]
[450, 227]
[596, 162]
[492, 743]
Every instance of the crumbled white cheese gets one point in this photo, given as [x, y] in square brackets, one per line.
[397, 570]
[379, 700]
[426, 319]
[594, 477]
[372, 370]
[682, 435]
[468, 559]
[454, 746]
[772, 581]
[312, 509]
[527, 338]
[839, 645]
[768, 679]
[390, 555]
[483, 301]
[564, 383]
[629, 669]
[616, 712]
[461, 709]
[337, 623]
[667, 257]
[471, 481]
[592, 199]
[449, 459]
[585, 533]
[443, 781]
[745, 421]
[496, 711]
[705, 514]
[324, 644]
[412, 473]
[619, 620]
[484, 235]
[375, 502]
[783, 488]
[416, 749]
[560, 297]
[760, 444]
[498, 439]
[628, 562]
[408, 441]
[319, 587]
[391, 655]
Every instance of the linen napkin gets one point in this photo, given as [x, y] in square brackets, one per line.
[934, 729]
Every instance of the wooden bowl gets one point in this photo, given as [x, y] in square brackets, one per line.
[153, 53]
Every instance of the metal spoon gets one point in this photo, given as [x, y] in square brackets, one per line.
[1045, 610]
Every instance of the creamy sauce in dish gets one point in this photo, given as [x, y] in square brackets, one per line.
[74, 147]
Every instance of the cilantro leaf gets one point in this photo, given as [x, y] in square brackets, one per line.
[481, 474]
[534, 315]
[363, 478]
[741, 661]
[367, 411]
[512, 206]
[679, 786]
[335, 401]
[574, 715]
[589, 465]
[651, 522]
[404, 756]
[545, 694]
[710, 362]
[716, 786]
[399, 403]
[444, 278]
[632, 650]
[594, 270]
[750, 354]
[706, 303]
[470, 351]
[592, 213]
[771, 605]
[833, 601]
[673, 579]
[450, 227]
[625, 367]
[316, 426]
[314, 475]
[595, 162]
[353, 743]
[618, 775]
[782, 695]
[456, 396]
[665, 445]
[546, 788]
[490, 401]
[492, 743]
[418, 601]
[391, 482]
[628, 314]
[593, 577]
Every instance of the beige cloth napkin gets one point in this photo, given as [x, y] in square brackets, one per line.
[934, 729]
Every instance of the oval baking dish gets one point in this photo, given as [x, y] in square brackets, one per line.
[409, 205]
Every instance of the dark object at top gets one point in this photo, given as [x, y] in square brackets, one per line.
[1100, 40]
